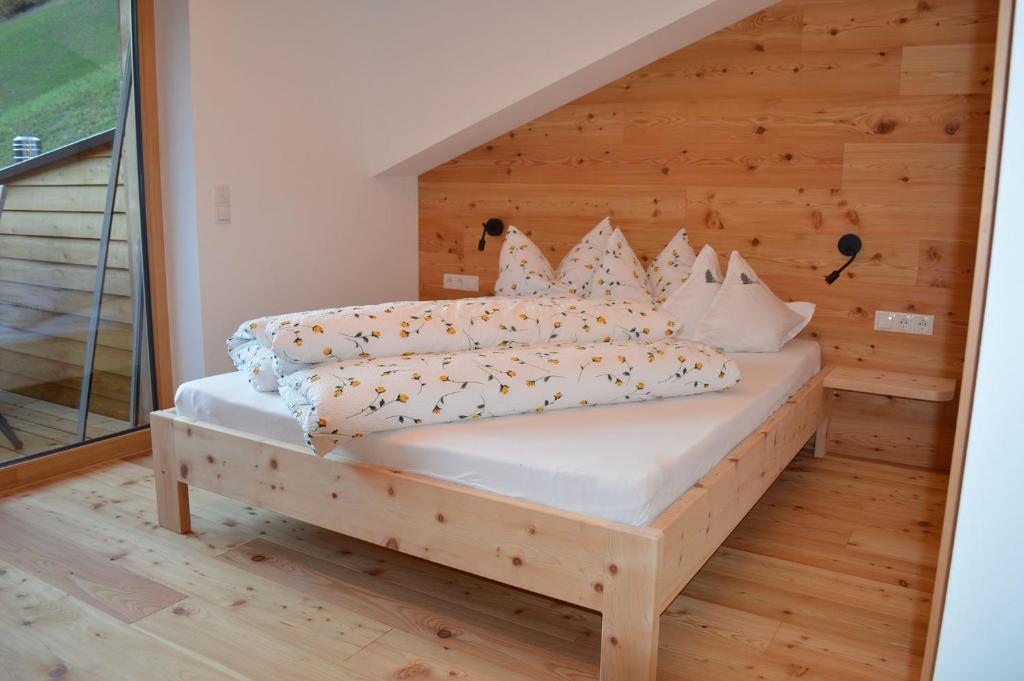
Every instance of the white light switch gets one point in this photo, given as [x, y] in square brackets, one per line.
[222, 204]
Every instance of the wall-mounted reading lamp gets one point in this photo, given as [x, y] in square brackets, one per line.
[494, 227]
[849, 245]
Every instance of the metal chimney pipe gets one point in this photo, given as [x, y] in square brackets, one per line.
[26, 147]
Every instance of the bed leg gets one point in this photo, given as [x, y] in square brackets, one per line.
[630, 615]
[171, 496]
[821, 439]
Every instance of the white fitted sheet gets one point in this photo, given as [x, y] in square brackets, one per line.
[623, 462]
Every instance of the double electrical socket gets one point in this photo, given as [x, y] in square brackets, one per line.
[904, 322]
[462, 282]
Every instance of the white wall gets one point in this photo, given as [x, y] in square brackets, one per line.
[177, 187]
[449, 75]
[276, 114]
[983, 622]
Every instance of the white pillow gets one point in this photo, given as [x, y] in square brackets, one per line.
[577, 267]
[746, 316]
[671, 268]
[689, 302]
[806, 311]
[619, 274]
[522, 268]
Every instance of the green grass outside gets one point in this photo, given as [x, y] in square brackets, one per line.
[59, 73]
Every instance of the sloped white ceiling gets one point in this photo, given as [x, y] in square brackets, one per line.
[444, 76]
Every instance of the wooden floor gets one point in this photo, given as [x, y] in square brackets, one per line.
[829, 577]
[42, 426]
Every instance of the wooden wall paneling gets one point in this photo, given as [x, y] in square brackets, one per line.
[855, 24]
[54, 275]
[783, 73]
[774, 137]
[946, 69]
[117, 308]
[924, 436]
[50, 197]
[49, 231]
[925, 168]
[112, 334]
[61, 224]
[64, 250]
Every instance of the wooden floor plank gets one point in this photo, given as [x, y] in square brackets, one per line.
[828, 578]
[239, 640]
[505, 643]
[187, 563]
[84, 575]
[730, 624]
[54, 636]
[400, 655]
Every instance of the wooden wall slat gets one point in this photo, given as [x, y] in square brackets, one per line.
[116, 308]
[111, 334]
[62, 250]
[780, 73]
[49, 230]
[93, 171]
[66, 350]
[855, 24]
[774, 137]
[72, 277]
[58, 224]
[947, 69]
[84, 198]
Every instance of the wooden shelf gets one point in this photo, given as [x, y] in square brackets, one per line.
[892, 384]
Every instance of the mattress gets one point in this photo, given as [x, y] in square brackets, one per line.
[625, 462]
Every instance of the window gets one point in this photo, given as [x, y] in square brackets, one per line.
[75, 357]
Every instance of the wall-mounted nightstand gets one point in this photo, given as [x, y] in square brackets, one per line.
[886, 383]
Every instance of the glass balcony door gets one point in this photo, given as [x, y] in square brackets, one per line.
[75, 359]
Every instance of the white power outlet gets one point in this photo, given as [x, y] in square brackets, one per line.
[923, 324]
[462, 282]
[904, 322]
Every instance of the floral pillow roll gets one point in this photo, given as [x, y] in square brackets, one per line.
[454, 325]
[337, 402]
[249, 349]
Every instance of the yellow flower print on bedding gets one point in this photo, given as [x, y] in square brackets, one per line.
[416, 327]
[335, 402]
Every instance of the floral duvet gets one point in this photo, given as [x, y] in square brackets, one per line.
[340, 400]
[268, 348]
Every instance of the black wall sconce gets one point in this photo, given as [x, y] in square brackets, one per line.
[494, 227]
[849, 245]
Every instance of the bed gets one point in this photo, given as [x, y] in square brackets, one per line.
[612, 523]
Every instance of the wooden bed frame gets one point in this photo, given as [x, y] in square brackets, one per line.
[629, 574]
